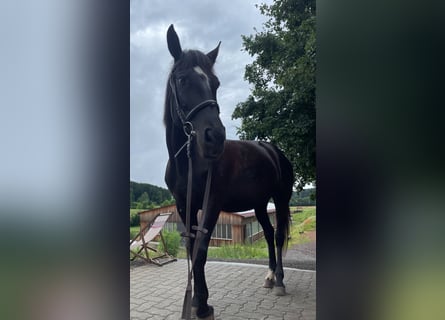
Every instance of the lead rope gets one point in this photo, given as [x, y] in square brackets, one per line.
[186, 307]
[187, 304]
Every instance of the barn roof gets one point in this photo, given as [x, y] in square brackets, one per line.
[251, 213]
[243, 214]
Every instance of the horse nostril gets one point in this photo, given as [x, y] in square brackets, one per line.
[209, 137]
[213, 136]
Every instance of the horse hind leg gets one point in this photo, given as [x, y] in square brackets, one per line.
[282, 217]
[279, 288]
[263, 219]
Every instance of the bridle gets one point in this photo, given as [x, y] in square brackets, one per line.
[189, 131]
[185, 119]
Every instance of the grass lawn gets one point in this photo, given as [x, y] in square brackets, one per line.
[302, 221]
[134, 231]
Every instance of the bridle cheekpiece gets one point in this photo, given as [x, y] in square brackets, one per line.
[186, 118]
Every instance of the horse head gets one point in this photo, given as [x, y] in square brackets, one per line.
[191, 98]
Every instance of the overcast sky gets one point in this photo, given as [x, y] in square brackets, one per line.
[200, 25]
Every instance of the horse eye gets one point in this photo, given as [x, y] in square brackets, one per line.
[182, 80]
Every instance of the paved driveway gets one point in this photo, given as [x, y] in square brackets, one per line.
[235, 290]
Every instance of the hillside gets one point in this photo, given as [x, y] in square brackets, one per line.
[144, 195]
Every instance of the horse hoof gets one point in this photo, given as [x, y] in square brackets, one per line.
[279, 291]
[208, 316]
[268, 283]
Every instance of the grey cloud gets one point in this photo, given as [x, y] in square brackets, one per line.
[200, 25]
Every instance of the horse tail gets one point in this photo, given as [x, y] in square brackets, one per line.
[283, 227]
[282, 198]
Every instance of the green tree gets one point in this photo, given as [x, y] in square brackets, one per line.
[144, 201]
[131, 197]
[156, 194]
[167, 203]
[281, 107]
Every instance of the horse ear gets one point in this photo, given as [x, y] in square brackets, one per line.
[173, 43]
[214, 53]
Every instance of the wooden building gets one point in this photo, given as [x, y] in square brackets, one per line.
[231, 228]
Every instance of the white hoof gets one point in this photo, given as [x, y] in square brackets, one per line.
[268, 283]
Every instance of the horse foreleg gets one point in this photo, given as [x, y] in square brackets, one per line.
[269, 281]
[201, 292]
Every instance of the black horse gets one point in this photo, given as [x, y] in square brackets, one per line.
[246, 174]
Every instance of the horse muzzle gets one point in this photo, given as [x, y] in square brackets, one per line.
[213, 142]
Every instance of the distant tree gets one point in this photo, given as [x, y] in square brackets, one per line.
[131, 197]
[156, 195]
[305, 197]
[313, 196]
[167, 203]
[144, 201]
[281, 107]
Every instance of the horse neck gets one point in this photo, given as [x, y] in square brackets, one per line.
[175, 140]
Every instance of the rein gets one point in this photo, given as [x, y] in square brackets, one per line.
[191, 256]
[190, 133]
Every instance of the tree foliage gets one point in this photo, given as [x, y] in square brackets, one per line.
[305, 197]
[281, 107]
[148, 196]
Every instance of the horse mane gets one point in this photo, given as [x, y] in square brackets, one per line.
[188, 60]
